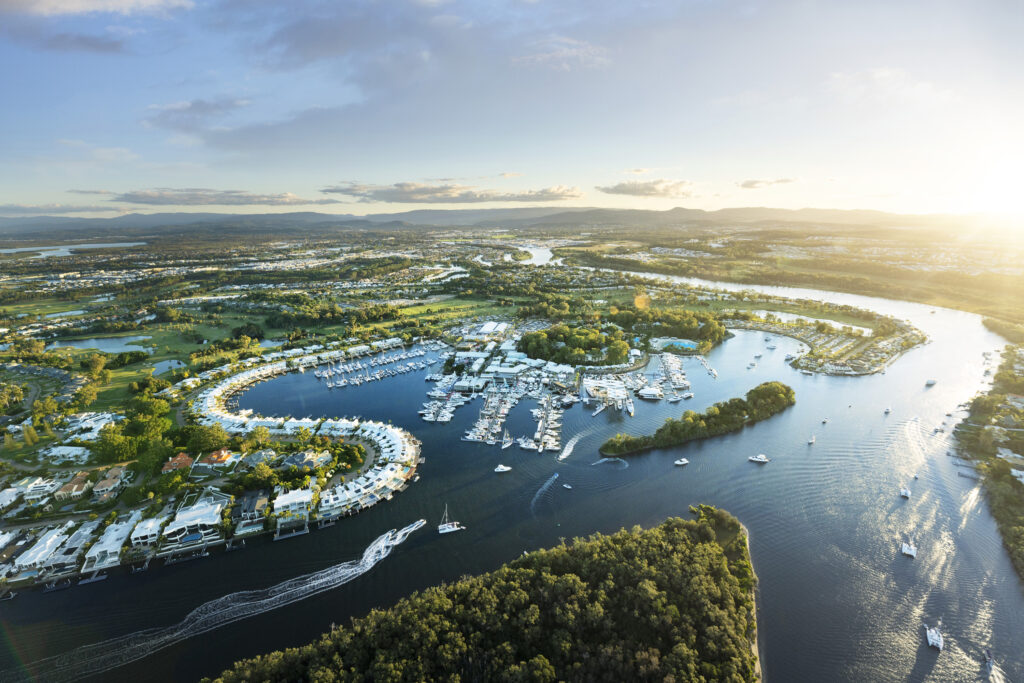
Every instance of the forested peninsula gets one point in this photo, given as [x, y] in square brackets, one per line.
[675, 602]
[762, 402]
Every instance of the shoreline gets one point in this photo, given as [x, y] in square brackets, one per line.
[755, 644]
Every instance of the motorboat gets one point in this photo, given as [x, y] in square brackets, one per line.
[502, 468]
[688, 395]
[506, 440]
[904, 492]
[810, 441]
[888, 410]
[760, 458]
[934, 636]
[824, 421]
[448, 526]
[909, 549]
[566, 486]
[681, 462]
[930, 383]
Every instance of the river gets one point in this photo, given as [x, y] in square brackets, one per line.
[836, 599]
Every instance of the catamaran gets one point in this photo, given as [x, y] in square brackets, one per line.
[506, 440]
[448, 526]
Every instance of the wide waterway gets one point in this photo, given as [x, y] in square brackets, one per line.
[836, 599]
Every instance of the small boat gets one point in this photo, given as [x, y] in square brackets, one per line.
[888, 410]
[629, 406]
[448, 526]
[909, 549]
[682, 461]
[825, 421]
[688, 395]
[9, 595]
[934, 636]
[502, 468]
[566, 486]
[57, 586]
[810, 441]
[675, 398]
[904, 492]
[989, 662]
[930, 383]
[506, 440]
[760, 458]
[915, 475]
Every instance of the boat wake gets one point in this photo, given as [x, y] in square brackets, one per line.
[97, 658]
[571, 444]
[618, 461]
[541, 491]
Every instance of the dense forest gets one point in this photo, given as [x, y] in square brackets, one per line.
[673, 603]
[761, 402]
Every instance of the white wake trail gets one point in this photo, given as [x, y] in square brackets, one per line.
[110, 654]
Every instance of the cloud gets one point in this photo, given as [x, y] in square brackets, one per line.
[638, 171]
[510, 174]
[564, 54]
[757, 184]
[662, 187]
[420, 193]
[194, 115]
[886, 86]
[33, 32]
[91, 153]
[17, 210]
[50, 8]
[165, 196]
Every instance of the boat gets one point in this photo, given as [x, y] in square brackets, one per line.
[681, 462]
[566, 486]
[909, 549]
[9, 595]
[629, 406]
[651, 392]
[675, 398]
[989, 662]
[760, 458]
[904, 492]
[934, 636]
[506, 440]
[57, 586]
[825, 421]
[888, 410]
[915, 475]
[502, 468]
[810, 441]
[688, 395]
[930, 383]
[448, 526]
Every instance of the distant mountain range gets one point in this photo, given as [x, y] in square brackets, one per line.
[50, 226]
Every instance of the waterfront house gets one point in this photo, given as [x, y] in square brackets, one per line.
[148, 531]
[106, 551]
[296, 503]
[198, 522]
[253, 505]
[40, 552]
[308, 458]
[110, 485]
[265, 455]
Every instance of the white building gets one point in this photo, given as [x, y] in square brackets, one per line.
[195, 523]
[36, 556]
[106, 552]
[297, 502]
[148, 531]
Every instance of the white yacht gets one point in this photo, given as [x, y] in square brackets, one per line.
[825, 421]
[760, 458]
[675, 398]
[904, 492]
[688, 395]
[448, 526]
[908, 548]
[934, 636]
[810, 441]
[566, 486]
[651, 392]
[629, 406]
[682, 461]
[502, 468]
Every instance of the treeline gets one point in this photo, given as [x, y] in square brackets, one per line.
[575, 345]
[761, 402]
[673, 603]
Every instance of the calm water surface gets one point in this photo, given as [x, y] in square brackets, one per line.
[836, 600]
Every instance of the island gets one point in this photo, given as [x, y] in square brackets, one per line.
[763, 401]
[675, 602]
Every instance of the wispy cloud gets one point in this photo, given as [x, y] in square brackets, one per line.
[18, 210]
[564, 53]
[661, 187]
[89, 152]
[420, 193]
[638, 171]
[193, 116]
[65, 7]
[195, 196]
[886, 85]
[756, 184]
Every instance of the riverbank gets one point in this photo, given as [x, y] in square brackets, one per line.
[597, 607]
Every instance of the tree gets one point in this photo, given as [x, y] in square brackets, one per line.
[618, 352]
[261, 435]
[303, 435]
[28, 433]
[204, 438]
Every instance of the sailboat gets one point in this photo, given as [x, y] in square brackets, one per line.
[506, 440]
[448, 526]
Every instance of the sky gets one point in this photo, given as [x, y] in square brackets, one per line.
[372, 106]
